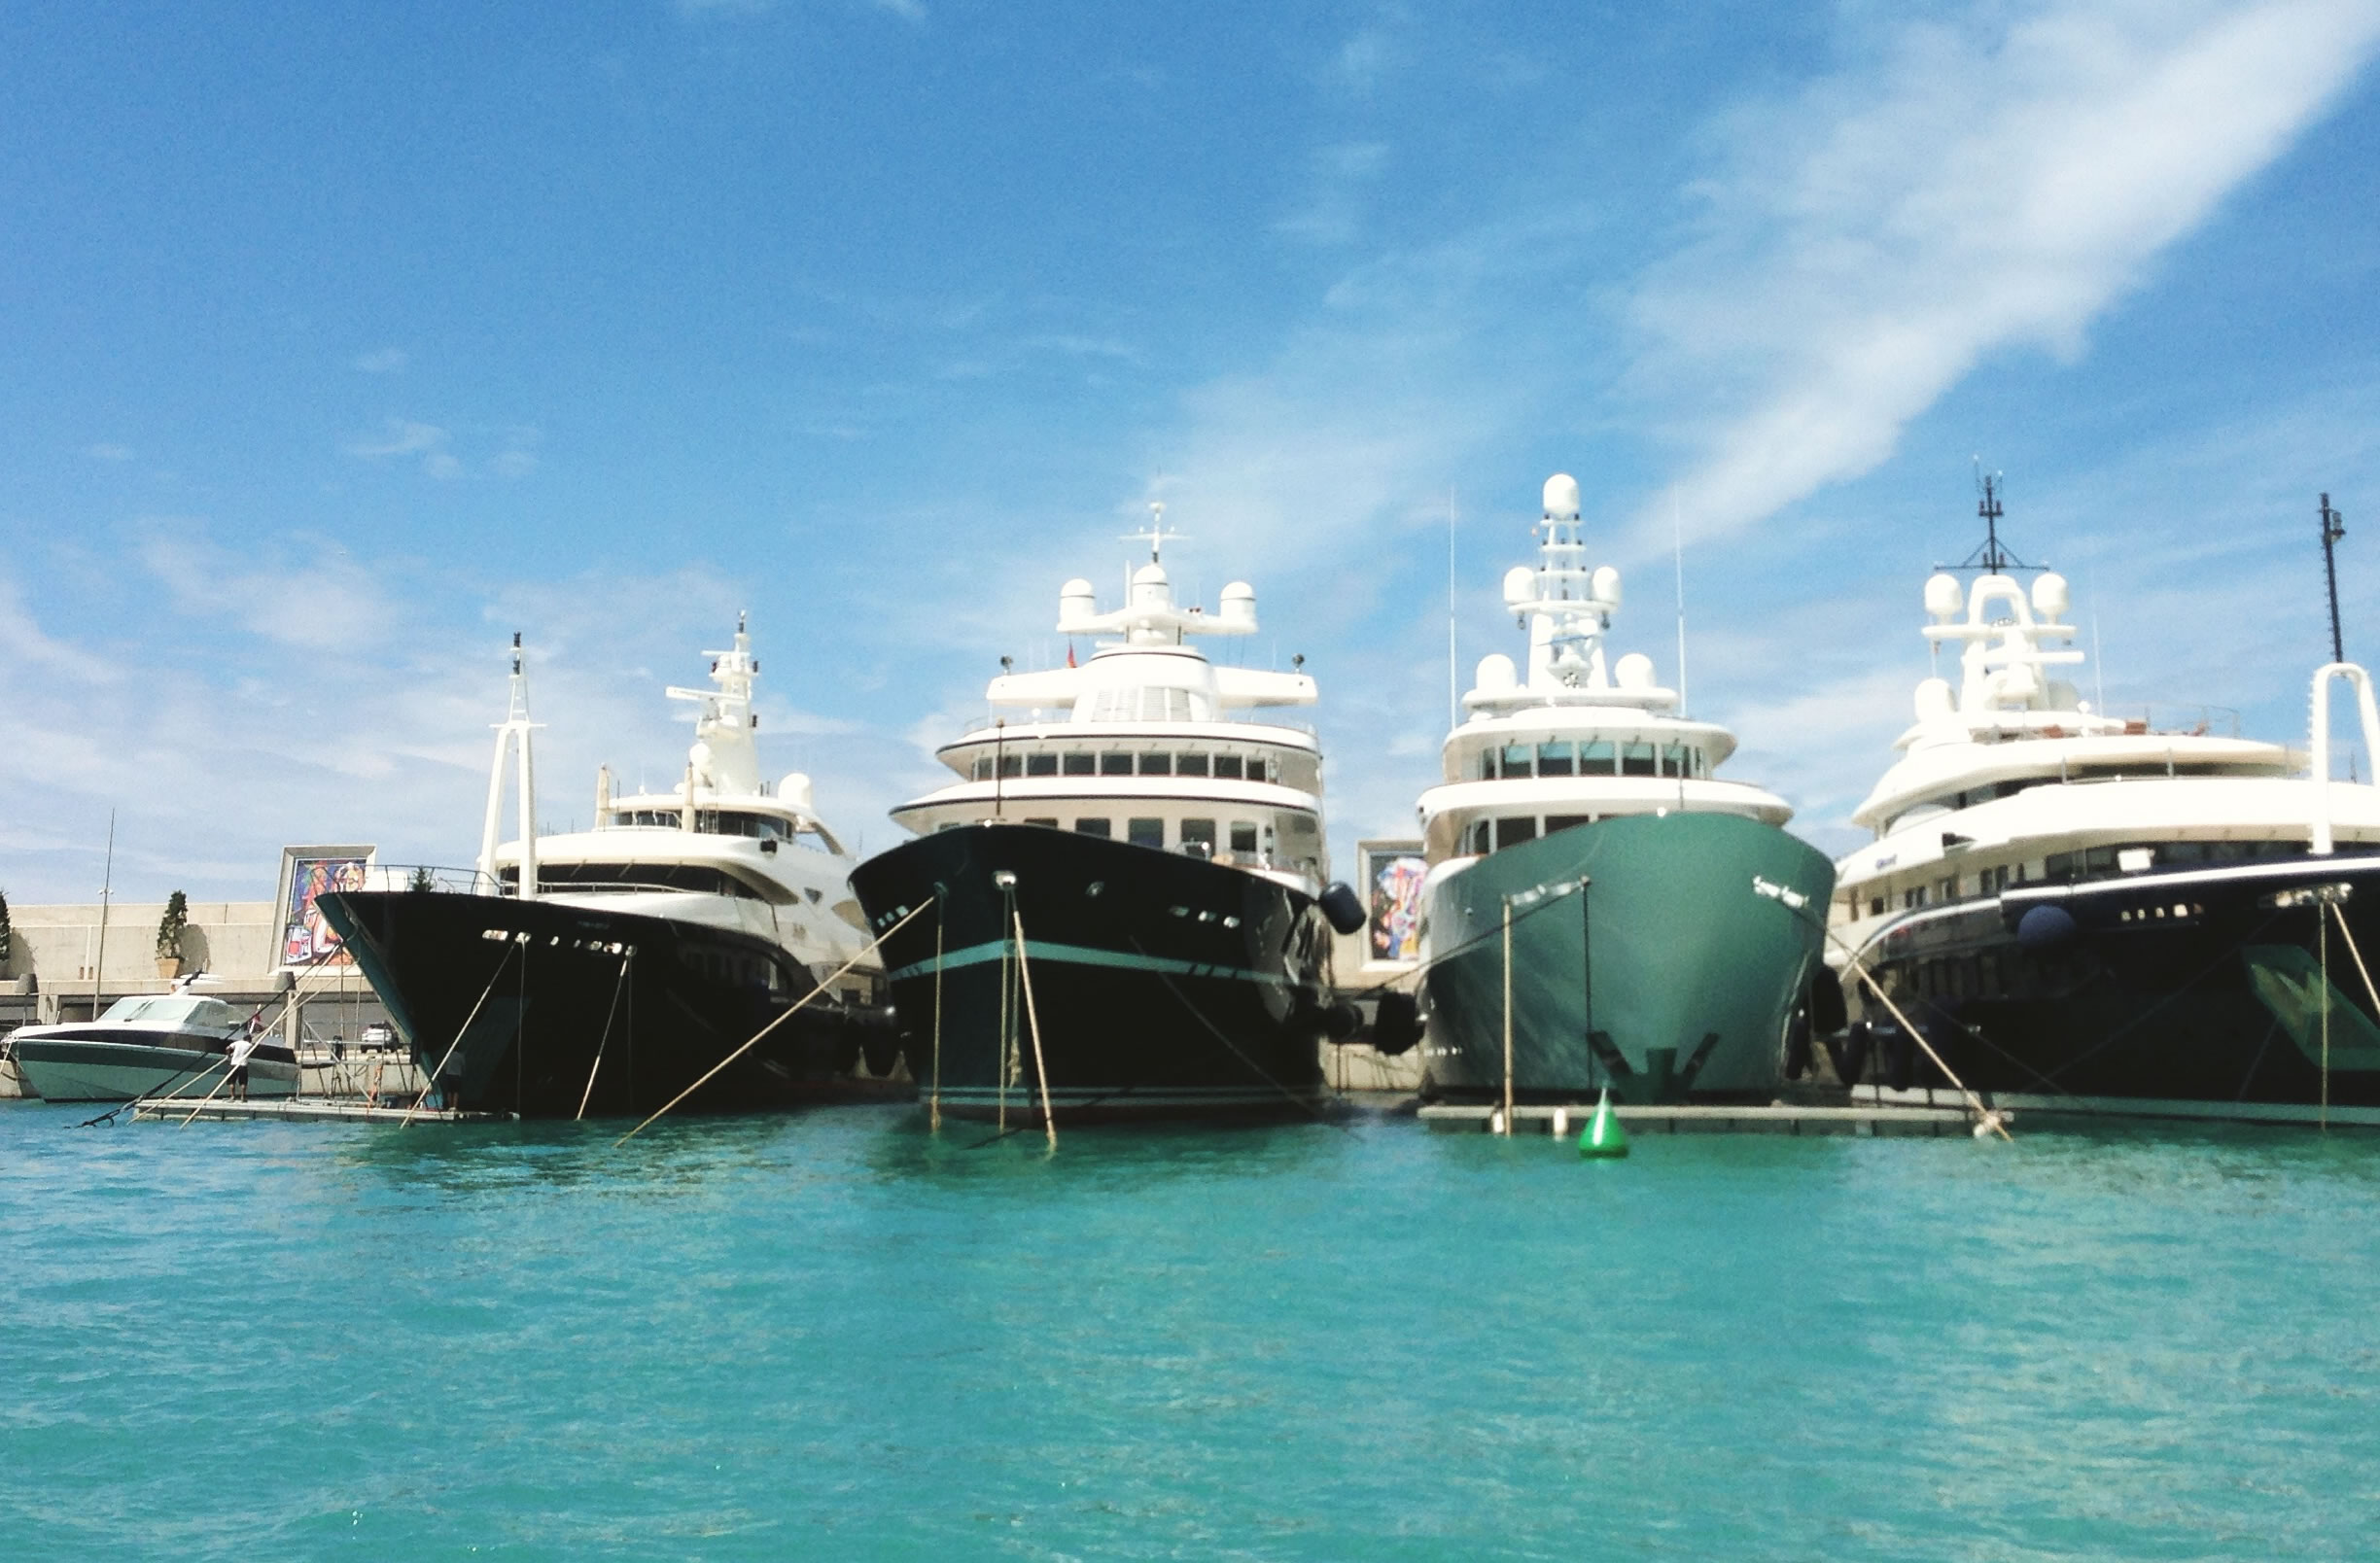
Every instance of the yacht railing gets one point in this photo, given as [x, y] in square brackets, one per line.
[448, 881]
[2181, 720]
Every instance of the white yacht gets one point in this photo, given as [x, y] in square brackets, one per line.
[2088, 910]
[605, 970]
[175, 1044]
[1662, 926]
[1126, 883]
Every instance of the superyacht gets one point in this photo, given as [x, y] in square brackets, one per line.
[2086, 912]
[606, 971]
[1600, 908]
[1119, 910]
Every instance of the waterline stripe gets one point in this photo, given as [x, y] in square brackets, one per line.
[1086, 956]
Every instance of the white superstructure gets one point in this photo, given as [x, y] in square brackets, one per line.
[1146, 741]
[724, 848]
[1576, 740]
[2009, 777]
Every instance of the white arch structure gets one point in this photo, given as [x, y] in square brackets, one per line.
[2370, 714]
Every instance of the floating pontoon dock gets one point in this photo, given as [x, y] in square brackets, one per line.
[302, 1110]
[1777, 1118]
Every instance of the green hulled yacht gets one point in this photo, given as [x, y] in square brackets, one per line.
[1600, 910]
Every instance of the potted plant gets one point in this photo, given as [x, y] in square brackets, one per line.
[169, 934]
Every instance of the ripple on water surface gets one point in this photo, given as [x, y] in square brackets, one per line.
[834, 1334]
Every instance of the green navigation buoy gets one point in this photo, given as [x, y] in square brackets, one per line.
[1603, 1134]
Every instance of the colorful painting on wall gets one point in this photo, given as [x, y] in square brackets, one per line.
[307, 938]
[1392, 885]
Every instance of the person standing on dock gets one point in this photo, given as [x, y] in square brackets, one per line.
[241, 1046]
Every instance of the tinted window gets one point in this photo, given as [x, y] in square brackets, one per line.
[1513, 832]
[1595, 758]
[1555, 822]
[1145, 832]
[1012, 765]
[1243, 836]
[1189, 765]
[1518, 759]
[1052, 823]
[1156, 765]
[1094, 828]
[1227, 766]
[1040, 765]
[1082, 764]
[1115, 765]
[1637, 760]
[1552, 759]
[1198, 830]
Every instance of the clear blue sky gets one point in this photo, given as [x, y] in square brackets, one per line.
[340, 342]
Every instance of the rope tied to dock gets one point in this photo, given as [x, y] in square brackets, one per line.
[754, 1039]
[510, 944]
[610, 1015]
[1032, 1023]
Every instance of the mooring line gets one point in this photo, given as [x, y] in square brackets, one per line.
[1032, 1023]
[755, 1041]
[610, 1016]
[510, 943]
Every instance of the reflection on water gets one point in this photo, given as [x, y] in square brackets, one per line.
[833, 1333]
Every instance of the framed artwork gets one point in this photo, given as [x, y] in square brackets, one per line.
[308, 874]
[1392, 873]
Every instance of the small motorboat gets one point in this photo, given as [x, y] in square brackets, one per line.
[149, 1045]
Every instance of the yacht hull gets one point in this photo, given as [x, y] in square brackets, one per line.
[100, 1063]
[1672, 978]
[515, 1006]
[2197, 994]
[1162, 986]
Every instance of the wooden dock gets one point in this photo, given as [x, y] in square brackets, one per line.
[300, 1110]
[1776, 1118]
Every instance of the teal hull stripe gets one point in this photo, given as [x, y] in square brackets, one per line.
[1084, 955]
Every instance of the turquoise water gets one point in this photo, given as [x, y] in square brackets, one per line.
[831, 1336]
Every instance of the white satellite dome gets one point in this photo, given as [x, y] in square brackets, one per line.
[1935, 702]
[1634, 671]
[1077, 602]
[1496, 674]
[1238, 603]
[795, 790]
[1944, 597]
[1520, 586]
[1561, 498]
[2050, 595]
[1605, 584]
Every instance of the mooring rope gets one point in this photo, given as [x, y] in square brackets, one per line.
[1032, 1023]
[510, 944]
[610, 1015]
[1254, 1067]
[755, 1041]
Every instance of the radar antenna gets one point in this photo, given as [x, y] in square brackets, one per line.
[1991, 556]
[1156, 536]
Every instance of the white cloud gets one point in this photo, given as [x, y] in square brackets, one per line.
[384, 361]
[1872, 240]
[108, 453]
[399, 438]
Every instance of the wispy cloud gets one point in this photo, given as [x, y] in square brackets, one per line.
[384, 361]
[1867, 243]
[108, 453]
[1334, 208]
[401, 437]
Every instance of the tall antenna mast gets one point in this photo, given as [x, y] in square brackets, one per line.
[1677, 549]
[1454, 699]
[1995, 558]
[2333, 528]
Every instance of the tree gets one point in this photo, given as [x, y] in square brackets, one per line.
[5, 939]
[423, 879]
[170, 926]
